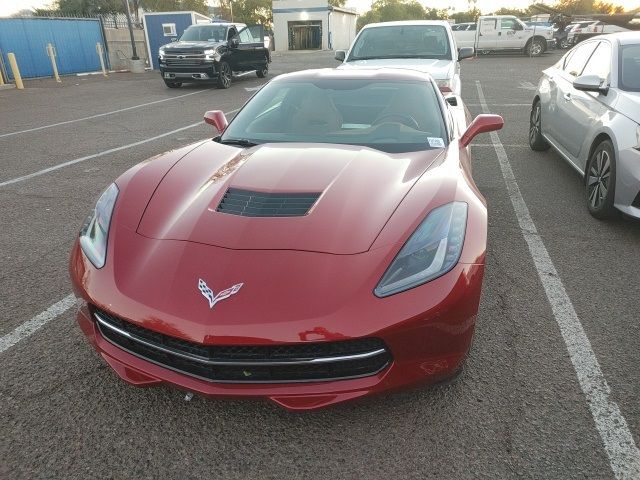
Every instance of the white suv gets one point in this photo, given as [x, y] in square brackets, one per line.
[423, 45]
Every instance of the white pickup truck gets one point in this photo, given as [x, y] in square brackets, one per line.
[505, 33]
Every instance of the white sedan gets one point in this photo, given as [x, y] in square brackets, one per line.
[587, 107]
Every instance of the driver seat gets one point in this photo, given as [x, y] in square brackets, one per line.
[316, 113]
[409, 101]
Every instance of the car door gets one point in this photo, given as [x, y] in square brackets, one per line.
[561, 121]
[248, 48]
[510, 34]
[587, 108]
[488, 34]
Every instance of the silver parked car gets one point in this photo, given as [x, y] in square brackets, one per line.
[587, 107]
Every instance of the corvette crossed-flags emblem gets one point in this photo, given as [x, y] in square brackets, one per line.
[215, 298]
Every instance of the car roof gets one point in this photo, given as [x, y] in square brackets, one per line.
[401, 23]
[373, 74]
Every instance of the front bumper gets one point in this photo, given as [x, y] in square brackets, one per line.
[191, 73]
[428, 338]
[551, 43]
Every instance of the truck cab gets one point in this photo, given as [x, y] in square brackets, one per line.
[212, 52]
[505, 33]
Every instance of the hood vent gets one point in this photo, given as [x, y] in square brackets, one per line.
[257, 204]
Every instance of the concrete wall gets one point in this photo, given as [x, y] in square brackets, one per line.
[119, 45]
[343, 30]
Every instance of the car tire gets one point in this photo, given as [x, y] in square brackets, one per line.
[565, 44]
[173, 84]
[600, 181]
[262, 72]
[534, 48]
[536, 140]
[224, 75]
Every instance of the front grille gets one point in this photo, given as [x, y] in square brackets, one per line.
[303, 362]
[257, 204]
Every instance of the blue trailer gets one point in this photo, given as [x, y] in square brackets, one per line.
[161, 28]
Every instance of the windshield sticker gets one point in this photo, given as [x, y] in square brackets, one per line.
[435, 142]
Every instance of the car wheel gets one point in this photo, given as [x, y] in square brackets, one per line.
[536, 140]
[600, 181]
[565, 44]
[535, 48]
[173, 84]
[262, 72]
[224, 75]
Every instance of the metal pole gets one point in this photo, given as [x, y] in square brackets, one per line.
[100, 52]
[52, 55]
[133, 42]
[16, 71]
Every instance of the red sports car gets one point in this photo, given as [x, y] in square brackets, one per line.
[329, 243]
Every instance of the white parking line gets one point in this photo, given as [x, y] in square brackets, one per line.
[619, 444]
[100, 154]
[98, 115]
[37, 322]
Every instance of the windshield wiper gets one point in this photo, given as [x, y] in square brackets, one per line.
[241, 142]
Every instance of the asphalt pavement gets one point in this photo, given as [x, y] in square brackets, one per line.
[516, 411]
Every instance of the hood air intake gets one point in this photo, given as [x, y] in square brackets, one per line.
[257, 204]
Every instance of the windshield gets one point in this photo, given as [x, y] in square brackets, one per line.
[630, 68]
[204, 33]
[402, 41]
[391, 116]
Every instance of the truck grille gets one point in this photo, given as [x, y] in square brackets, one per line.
[303, 362]
[184, 58]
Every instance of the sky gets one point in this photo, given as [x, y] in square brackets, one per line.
[8, 7]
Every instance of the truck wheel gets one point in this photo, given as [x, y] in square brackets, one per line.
[535, 48]
[262, 72]
[172, 84]
[224, 75]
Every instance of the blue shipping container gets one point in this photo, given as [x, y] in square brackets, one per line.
[74, 40]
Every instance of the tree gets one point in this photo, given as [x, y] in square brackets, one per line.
[466, 17]
[586, 7]
[253, 11]
[337, 3]
[199, 6]
[89, 7]
[517, 12]
[390, 10]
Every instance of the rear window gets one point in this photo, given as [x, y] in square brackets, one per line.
[402, 41]
[629, 68]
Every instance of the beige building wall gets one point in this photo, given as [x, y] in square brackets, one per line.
[119, 45]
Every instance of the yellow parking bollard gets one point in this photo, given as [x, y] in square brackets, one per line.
[100, 52]
[16, 72]
[52, 55]
[1, 79]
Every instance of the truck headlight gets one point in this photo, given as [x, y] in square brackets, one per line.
[211, 54]
[431, 251]
[161, 53]
[95, 231]
[445, 85]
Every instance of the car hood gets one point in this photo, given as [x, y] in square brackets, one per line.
[439, 69]
[190, 45]
[359, 189]
[629, 104]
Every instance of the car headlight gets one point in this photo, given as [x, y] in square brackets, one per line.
[95, 231]
[431, 251]
[211, 54]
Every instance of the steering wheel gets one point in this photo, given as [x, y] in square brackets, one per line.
[409, 121]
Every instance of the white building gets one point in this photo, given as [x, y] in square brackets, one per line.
[312, 24]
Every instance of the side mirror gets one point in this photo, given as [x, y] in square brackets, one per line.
[234, 42]
[465, 52]
[590, 83]
[340, 55]
[481, 124]
[217, 119]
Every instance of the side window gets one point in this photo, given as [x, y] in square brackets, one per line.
[507, 24]
[600, 62]
[245, 36]
[574, 63]
[473, 26]
[232, 33]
